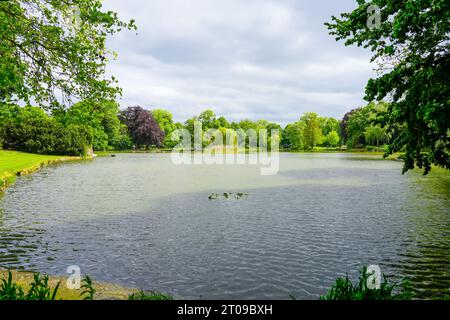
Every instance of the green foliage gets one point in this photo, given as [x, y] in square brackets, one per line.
[88, 289]
[208, 119]
[344, 289]
[149, 295]
[52, 47]
[9, 290]
[328, 125]
[293, 135]
[165, 121]
[375, 135]
[102, 117]
[332, 139]
[412, 47]
[212, 126]
[29, 129]
[39, 289]
[357, 123]
[312, 132]
[7, 116]
[358, 126]
[122, 141]
[190, 125]
[222, 122]
[13, 114]
[274, 126]
[247, 124]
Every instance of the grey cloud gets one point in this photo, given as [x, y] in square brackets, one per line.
[254, 59]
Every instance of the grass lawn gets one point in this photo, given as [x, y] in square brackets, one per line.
[14, 162]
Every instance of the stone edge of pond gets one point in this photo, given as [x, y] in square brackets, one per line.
[104, 290]
[9, 178]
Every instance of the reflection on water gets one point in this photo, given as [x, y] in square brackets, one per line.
[141, 221]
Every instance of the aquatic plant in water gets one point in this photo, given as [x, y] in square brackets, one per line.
[227, 195]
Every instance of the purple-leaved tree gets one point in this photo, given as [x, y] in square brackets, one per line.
[142, 127]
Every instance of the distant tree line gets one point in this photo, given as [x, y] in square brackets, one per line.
[103, 126]
[355, 130]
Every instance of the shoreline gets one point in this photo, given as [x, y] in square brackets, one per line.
[163, 151]
[8, 177]
[103, 290]
[393, 157]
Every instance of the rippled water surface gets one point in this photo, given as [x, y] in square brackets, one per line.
[141, 221]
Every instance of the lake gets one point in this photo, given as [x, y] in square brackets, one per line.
[141, 221]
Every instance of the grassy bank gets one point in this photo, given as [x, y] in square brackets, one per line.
[103, 291]
[14, 163]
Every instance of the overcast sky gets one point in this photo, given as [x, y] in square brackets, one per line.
[256, 59]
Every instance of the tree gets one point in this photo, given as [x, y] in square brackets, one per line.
[142, 127]
[343, 127]
[329, 124]
[102, 117]
[332, 139]
[312, 133]
[11, 115]
[251, 136]
[224, 131]
[234, 125]
[189, 124]
[247, 124]
[222, 122]
[164, 119]
[30, 129]
[411, 43]
[293, 135]
[274, 126]
[356, 124]
[207, 118]
[375, 135]
[262, 123]
[52, 48]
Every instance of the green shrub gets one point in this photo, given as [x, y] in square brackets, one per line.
[149, 295]
[43, 135]
[344, 289]
[122, 142]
